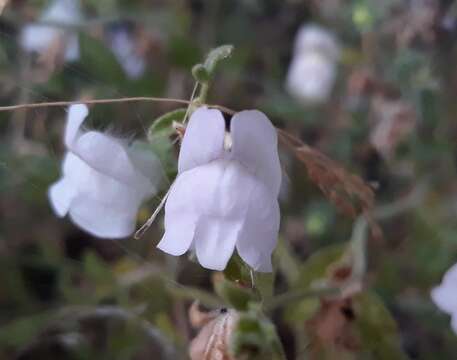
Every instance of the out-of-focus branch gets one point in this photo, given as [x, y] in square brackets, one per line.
[298, 295]
[380, 213]
[141, 274]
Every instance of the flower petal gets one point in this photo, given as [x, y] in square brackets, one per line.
[66, 12]
[255, 145]
[72, 50]
[454, 323]
[204, 139]
[100, 204]
[445, 297]
[450, 278]
[179, 235]
[215, 240]
[76, 115]
[60, 194]
[259, 234]
[105, 207]
[312, 37]
[38, 38]
[103, 220]
[189, 198]
[180, 216]
[211, 201]
[147, 163]
[109, 156]
[311, 77]
[221, 219]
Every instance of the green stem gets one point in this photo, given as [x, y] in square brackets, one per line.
[298, 295]
[202, 96]
[279, 353]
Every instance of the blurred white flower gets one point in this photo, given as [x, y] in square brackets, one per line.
[445, 295]
[41, 37]
[225, 194]
[104, 181]
[312, 71]
[122, 44]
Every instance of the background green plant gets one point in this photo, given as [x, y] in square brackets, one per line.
[107, 299]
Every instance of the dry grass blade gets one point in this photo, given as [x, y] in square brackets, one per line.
[347, 191]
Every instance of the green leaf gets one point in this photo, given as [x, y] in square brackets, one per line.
[192, 293]
[429, 106]
[159, 137]
[100, 62]
[236, 270]
[255, 337]
[165, 123]
[22, 330]
[236, 296]
[99, 274]
[313, 270]
[316, 265]
[377, 329]
[264, 284]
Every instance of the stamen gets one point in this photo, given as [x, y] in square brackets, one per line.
[228, 141]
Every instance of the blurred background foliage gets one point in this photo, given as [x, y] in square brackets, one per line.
[67, 295]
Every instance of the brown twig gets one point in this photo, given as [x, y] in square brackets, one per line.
[108, 101]
[95, 101]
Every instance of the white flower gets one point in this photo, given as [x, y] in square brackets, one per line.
[225, 194]
[104, 181]
[122, 44]
[312, 71]
[445, 295]
[40, 37]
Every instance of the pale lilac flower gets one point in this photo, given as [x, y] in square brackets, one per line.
[104, 181]
[122, 44]
[445, 295]
[225, 194]
[41, 37]
[312, 72]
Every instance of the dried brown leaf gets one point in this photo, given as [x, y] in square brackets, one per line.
[213, 340]
[332, 328]
[200, 318]
[348, 192]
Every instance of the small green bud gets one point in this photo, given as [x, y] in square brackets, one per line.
[200, 74]
[362, 17]
[165, 123]
[235, 295]
[215, 56]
